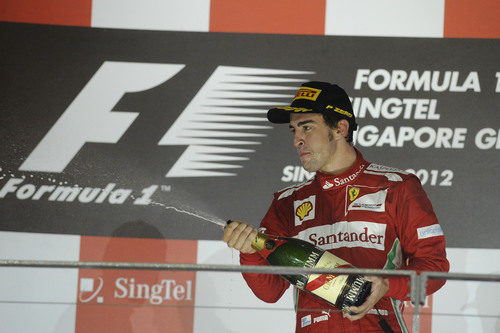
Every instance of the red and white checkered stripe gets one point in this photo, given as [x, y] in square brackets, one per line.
[395, 18]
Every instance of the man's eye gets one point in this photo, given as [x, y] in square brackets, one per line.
[306, 128]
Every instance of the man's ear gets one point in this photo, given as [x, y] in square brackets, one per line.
[342, 128]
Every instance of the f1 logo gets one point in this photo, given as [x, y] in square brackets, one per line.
[223, 115]
[90, 118]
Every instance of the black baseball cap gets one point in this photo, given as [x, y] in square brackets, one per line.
[316, 97]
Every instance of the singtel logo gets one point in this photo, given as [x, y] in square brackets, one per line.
[165, 290]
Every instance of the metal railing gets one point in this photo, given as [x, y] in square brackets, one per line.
[418, 282]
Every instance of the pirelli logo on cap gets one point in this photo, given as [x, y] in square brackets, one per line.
[307, 93]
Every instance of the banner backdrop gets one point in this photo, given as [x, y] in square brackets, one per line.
[106, 127]
[129, 141]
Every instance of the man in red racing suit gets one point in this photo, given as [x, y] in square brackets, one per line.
[370, 215]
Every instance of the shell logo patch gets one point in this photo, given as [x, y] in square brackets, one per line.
[353, 193]
[307, 93]
[304, 209]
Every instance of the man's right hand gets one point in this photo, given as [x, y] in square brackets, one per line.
[239, 236]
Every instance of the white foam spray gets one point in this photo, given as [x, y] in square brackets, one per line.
[211, 219]
[197, 214]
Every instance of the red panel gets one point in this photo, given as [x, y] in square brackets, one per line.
[264, 16]
[472, 19]
[136, 300]
[425, 316]
[61, 12]
[137, 250]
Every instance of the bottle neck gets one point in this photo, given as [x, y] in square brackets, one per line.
[259, 242]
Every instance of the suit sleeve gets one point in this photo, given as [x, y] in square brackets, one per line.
[421, 238]
[267, 287]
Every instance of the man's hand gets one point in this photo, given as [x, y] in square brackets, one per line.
[239, 236]
[380, 286]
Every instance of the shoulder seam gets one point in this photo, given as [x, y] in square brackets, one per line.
[295, 185]
[286, 192]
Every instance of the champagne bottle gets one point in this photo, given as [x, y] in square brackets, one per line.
[342, 291]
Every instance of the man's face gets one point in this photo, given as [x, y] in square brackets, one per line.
[313, 140]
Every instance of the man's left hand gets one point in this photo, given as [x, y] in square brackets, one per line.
[380, 286]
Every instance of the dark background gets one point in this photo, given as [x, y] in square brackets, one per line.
[43, 68]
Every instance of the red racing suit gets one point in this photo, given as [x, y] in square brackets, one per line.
[371, 216]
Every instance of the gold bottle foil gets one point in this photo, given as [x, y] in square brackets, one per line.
[259, 242]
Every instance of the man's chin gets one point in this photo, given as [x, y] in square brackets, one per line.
[308, 167]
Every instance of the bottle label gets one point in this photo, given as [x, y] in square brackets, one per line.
[328, 286]
[311, 262]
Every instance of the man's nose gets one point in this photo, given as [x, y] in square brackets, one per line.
[298, 140]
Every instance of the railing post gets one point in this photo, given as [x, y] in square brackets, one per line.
[423, 278]
[415, 300]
